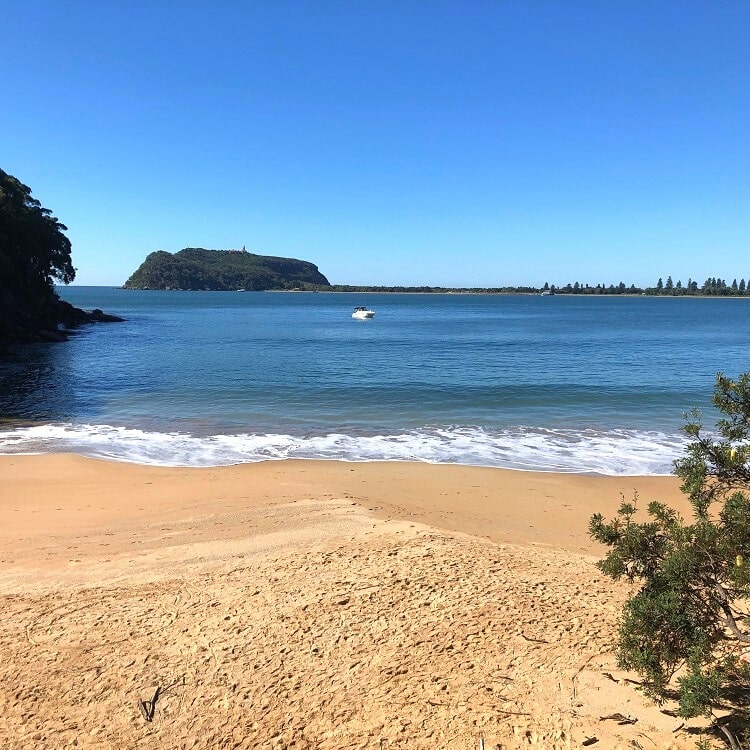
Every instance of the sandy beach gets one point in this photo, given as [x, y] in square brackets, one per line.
[304, 604]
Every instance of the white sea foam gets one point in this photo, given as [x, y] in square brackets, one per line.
[609, 452]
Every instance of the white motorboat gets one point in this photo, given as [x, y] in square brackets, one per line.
[362, 313]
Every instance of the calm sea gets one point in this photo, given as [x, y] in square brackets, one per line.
[561, 383]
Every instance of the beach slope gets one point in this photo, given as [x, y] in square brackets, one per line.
[303, 604]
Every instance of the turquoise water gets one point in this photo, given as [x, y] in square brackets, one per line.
[205, 378]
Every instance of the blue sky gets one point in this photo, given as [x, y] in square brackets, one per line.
[451, 143]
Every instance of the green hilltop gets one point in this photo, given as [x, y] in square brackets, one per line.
[196, 268]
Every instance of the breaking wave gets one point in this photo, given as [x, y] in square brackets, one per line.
[607, 452]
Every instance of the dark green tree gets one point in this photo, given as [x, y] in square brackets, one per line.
[689, 622]
[34, 251]
[33, 248]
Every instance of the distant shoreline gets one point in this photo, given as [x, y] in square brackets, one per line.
[434, 292]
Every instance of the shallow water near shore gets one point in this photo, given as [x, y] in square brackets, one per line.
[574, 384]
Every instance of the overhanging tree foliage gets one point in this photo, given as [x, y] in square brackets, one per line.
[688, 626]
[33, 248]
[34, 251]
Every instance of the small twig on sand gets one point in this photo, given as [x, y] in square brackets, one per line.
[622, 679]
[148, 707]
[727, 732]
[533, 640]
[512, 713]
[580, 669]
[619, 718]
[152, 704]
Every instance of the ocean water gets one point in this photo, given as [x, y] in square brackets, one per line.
[575, 384]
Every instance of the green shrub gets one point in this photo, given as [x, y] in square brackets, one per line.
[688, 626]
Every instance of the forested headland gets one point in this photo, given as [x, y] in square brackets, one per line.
[195, 268]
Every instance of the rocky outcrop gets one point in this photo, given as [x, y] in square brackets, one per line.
[49, 320]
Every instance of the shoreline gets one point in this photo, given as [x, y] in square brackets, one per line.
[352, 461]
[447, 291]
[502, 505]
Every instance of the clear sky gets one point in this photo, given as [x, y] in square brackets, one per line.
[445, 143]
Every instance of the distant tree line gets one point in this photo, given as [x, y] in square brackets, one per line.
[711, 287]
[432, 289]
[578, 288]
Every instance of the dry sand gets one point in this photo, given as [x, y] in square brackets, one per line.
[312, 605]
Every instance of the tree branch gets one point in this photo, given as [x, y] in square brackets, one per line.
[729, 615]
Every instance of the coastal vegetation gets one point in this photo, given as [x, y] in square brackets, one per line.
[34, 252]
[224, 270]
[689, 623]
[711, 287]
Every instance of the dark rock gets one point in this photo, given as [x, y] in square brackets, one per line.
[97, 316]
[48, 320]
